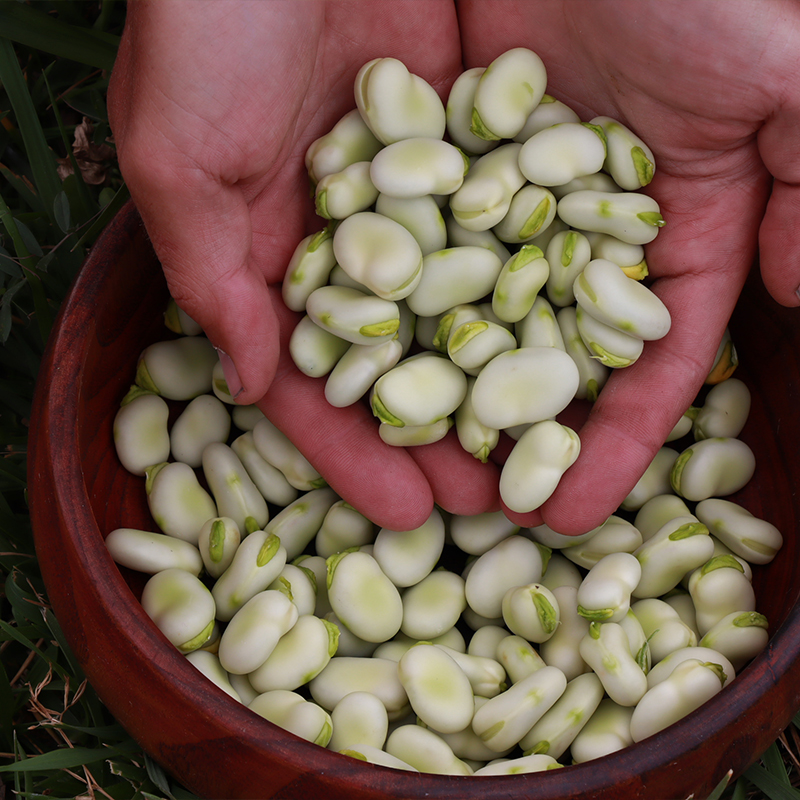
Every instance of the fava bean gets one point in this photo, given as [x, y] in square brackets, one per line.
[607, 731]
[152, 552]
[740, 636]
[177, 369]
[531, 211]
[418, 167]
[314, 350]
[603, 290]
[254, 631]
[294, 713]
[519, 282]
[271, 482]
[508, 91]
[350, 140]
[298, 656]
[141, 435]
[724, 411]
[406, 557]
[420, 216]
[179, 504]
[359, 718]
[425, 751]
[363, 597]
[379, 253]
[629, 161]
[712, 468]
[749, 537]
[564, 151]
[347, 192]
[257, 561]
[434, 605]
[488, 188]
[528, 384]
[181, 607]
[690, 684]
[515, 561]
[537, 463]
[504, 719]
[459, 113]
[557, 728]
[562, 649]
[418, 391]
[605, 648]
[396, 104]
[630, 216]
[235, 494]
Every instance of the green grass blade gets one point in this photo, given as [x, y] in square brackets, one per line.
[40, 156]
[63, 758]
[773, 763]
[121, 197]
[772, 787]
[25, 24]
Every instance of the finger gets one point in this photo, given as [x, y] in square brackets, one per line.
[202, 233]
[779, 243]
[461, 483]
[779, 236]
[343, 444]
[702, 265]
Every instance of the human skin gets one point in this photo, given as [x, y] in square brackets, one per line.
[212, 113]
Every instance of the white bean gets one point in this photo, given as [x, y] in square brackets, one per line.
[152, 552]
[524, 385]
[396, 104]
[537, 463]
[564, 151]
[418, 167]
[508, 91]
[380, 253]
[603, 290]
[179, 504]
[141, 435]
[630, 162]
[519, 283]
[712, 468]
[754, 539]
[363, 597]
[453, 276]
[631, 216]
[181, 607]
[350, 140]
[341, 194]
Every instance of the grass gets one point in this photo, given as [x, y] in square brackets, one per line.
[57, 740]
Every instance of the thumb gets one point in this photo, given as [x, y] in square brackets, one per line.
[201, 231]
[779, 235]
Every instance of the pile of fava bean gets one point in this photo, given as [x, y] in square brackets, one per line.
[468, 646]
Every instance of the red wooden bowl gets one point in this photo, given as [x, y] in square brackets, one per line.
[218, 748]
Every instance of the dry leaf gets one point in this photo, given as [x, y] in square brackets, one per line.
[92, 158]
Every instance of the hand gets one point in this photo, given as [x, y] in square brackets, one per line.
[213, 106]
[710, 89]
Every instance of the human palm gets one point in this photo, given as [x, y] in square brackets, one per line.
[213, 113]
[710, 93]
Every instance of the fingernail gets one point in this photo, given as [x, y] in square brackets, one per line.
[231, 375]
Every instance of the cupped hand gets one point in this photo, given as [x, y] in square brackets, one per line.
[213, 106]
[711, 88]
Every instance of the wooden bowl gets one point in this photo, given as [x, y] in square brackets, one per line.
[218, 748]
